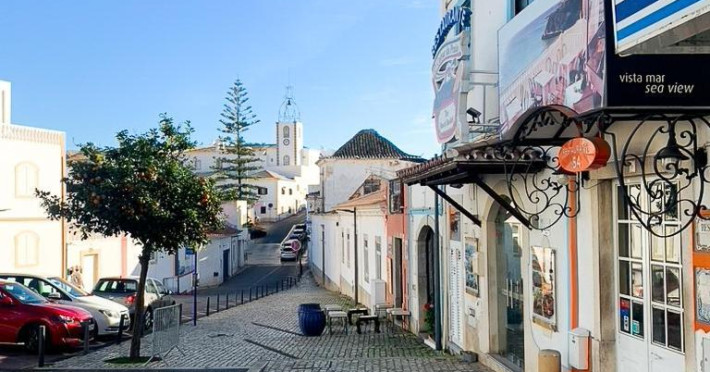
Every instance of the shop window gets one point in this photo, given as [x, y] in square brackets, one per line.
[26, 180]
[26, 249]
[649, 273]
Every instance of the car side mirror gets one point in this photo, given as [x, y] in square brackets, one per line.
[54, 296]
[6, 301]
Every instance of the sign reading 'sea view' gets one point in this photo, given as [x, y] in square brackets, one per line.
[449, 70]
[552, 53]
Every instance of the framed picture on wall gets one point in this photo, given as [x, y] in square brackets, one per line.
[471, 264]
[702, 294]
[544, 286]
[454, 224]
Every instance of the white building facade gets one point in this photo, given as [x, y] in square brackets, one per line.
[30, 158]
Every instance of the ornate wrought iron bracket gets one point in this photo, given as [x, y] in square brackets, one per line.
[661, 169]
[456, 205]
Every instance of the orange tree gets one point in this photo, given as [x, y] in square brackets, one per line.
[141, 188]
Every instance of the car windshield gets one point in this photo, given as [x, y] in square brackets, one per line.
[68, 287]
[22, 293]
[116, 286]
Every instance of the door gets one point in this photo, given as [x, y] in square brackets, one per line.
[649, 290]
[90, 269]
[455, 296]
[510, 305]
[225, 264]
[397, 272]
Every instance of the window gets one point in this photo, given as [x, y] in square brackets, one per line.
[26, 249]
[342, 247]
[348, 250]
[520, 5]
[262, 191]
[150, 287]
[218, 163]
[263, 210]
[378, 257]
[286, 132]
[649, 272]
[26, 179]
[370, 186]
[290, 191]
[197, 164]
[366, 254]
[283, 191]
[396, 202]
[287, 160]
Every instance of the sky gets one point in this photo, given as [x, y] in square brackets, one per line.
[92, 68]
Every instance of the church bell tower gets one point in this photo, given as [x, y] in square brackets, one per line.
[289, 132]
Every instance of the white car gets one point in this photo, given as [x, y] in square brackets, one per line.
[290, 249]
[106, 313]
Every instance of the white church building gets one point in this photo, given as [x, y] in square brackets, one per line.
[287, 167]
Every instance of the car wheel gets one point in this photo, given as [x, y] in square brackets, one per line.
[148, 321]
[31, 339]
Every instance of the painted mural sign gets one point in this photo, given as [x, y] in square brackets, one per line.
[702, 294]
[636, 21]
[471, 264]
[543, 286]
[553, 53]
[449, 70]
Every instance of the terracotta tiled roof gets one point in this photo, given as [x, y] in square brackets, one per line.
[368, 144]
[376, 197]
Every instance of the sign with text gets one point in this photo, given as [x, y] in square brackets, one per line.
[449, 73]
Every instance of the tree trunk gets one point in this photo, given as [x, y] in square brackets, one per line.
[144, 260]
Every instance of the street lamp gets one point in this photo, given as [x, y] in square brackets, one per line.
[354, 212]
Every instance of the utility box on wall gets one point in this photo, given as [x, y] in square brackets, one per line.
[578, 348]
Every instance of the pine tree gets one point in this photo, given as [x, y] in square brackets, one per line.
[238, 163]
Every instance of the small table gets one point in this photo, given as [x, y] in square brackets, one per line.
[361, 311]
[368, 319]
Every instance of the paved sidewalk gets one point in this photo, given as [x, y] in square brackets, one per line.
[266, 333]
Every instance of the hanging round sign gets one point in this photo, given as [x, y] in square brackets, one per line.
[295, 245]
[581, 154]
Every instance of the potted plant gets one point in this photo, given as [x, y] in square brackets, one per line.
[428, 327]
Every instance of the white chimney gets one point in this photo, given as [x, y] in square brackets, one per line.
[5, 102]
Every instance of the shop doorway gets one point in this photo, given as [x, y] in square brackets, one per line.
[507, 310]
[649, 305]
[398, 282]
[425, 276]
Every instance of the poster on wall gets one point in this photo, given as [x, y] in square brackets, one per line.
[702, 294]
[702, 235]
[543, 286]
[454, 224]
[471, 264]
[553, 53]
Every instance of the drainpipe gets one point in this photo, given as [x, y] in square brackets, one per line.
[356, 262]
[437, 281]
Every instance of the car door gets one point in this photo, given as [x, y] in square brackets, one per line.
[163, 293]
[151, 294]
[8, 321]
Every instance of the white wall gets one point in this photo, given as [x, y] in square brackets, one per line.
[29, 158]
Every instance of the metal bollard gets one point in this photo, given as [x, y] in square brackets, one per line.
[282, 284]
[119, 335]
[208, 306]
[249, 294]
[180, 314]
[226, 306]
[42, 335]
[85, 328]
[242, 297]
[217, 303]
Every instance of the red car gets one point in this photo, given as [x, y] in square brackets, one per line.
[22, 311]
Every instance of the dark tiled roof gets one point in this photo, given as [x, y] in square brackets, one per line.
[368, 144]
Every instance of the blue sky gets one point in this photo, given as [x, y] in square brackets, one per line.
[92, 68]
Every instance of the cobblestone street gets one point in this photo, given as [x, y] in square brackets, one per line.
[265, 333]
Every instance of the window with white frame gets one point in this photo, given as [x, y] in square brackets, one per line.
[26, 180]
[649, 271]
[366, 266]
[378, 257]
[347, 251]
[26, 249]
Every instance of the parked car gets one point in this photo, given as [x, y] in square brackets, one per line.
[106, 314]
[22, 311]
[290, 249]
[124, 291]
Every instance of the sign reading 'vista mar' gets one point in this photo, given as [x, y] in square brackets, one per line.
[451, 52]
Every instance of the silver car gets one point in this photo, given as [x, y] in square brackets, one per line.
[107, 314]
